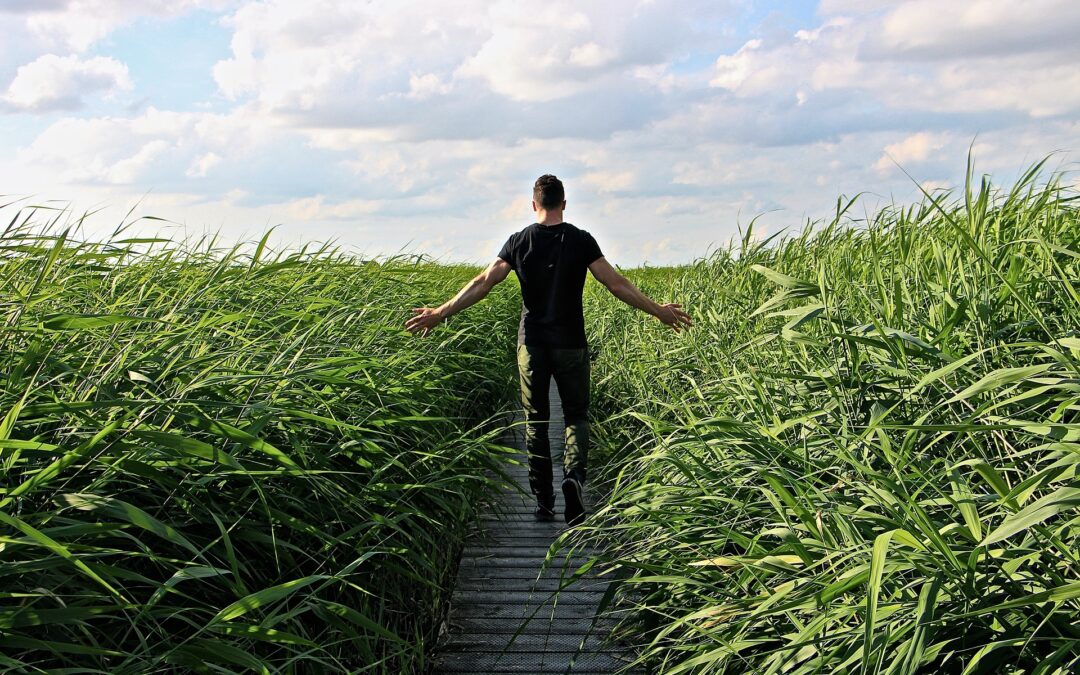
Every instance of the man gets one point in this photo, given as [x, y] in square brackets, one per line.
[550, 258]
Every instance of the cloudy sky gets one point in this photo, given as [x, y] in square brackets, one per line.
[393, 125]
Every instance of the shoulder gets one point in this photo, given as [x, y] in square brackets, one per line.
[517, 236]
[586, 243]
[570, 227]
[513, 244]
[582, 235]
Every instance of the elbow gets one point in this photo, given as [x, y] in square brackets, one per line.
[617, 286]
[483, 284]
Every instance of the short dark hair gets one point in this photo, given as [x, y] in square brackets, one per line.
[548, 192]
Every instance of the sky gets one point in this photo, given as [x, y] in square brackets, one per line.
[406, 126]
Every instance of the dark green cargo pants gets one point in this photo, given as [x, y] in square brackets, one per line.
[570, 367]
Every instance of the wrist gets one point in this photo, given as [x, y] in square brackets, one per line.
[656, 309]
[441, 313]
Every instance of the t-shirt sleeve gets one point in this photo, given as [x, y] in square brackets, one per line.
[507, 251]
[590, 249]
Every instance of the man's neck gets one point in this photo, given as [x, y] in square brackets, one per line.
[549, 218]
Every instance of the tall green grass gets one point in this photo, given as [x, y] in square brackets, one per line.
[226, 459]
[863, 457]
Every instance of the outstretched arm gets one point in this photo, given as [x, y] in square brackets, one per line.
[426, 318]
[622, 288]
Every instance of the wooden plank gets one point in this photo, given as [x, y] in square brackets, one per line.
[553, 529]
[535, 564]
[533, 552]
[560, 672]
[520, 518]
[538, 546]
[534, 547]
[540, 539]
[488, 626]
[534, 611]
[529, 597]
[529, 662]
[528, 511]
[494, 558]
[545, 536]
[514, 609]
[523, 572]
[519, 577]
[529, 538]
[521, 555]
[487, 519]
[520, 537]
[536, 539]
[545, 585]
[531, 585]
[526, 643]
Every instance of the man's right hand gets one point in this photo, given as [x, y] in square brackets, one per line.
[671, 315]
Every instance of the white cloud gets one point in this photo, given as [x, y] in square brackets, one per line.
[658, 75]
[128, 169]
[418, 124]
[913, 149]
[654, 248]
[318, 208]
[396, 168]
[933, 29]
[609, 181]
[528, 51]
[516, 210]
[53, 82]
[118, 150]
[564, 48]
[984, 56]
[853, 7]
[290, 55]
[591, 55]
[79, 24]
[338, 63]
[732, 71]
[932, 185]
[426, 86]
[202, 164]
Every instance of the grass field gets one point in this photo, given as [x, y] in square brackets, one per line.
[227, 459]
[862, 458]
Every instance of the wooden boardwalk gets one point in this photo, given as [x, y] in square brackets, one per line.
[507, 613]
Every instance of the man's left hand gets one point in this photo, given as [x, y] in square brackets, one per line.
[424, 319]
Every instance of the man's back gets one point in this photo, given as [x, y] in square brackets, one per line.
[551, 262]
[550, 258]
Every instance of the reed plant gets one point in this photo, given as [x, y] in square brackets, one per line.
[863, 457]
[229, 459]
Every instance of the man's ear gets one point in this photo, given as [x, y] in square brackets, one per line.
[564, 204]
[534, 205]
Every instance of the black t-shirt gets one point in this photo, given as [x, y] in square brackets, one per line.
[551, 262]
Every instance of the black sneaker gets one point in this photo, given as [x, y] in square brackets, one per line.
[575, 508]
[545, 507]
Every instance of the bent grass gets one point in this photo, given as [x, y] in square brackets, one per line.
[231, 459]
[863, 458]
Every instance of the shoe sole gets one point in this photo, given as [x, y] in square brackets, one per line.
[575, 508]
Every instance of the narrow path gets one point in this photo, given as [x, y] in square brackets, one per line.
[503, 588]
